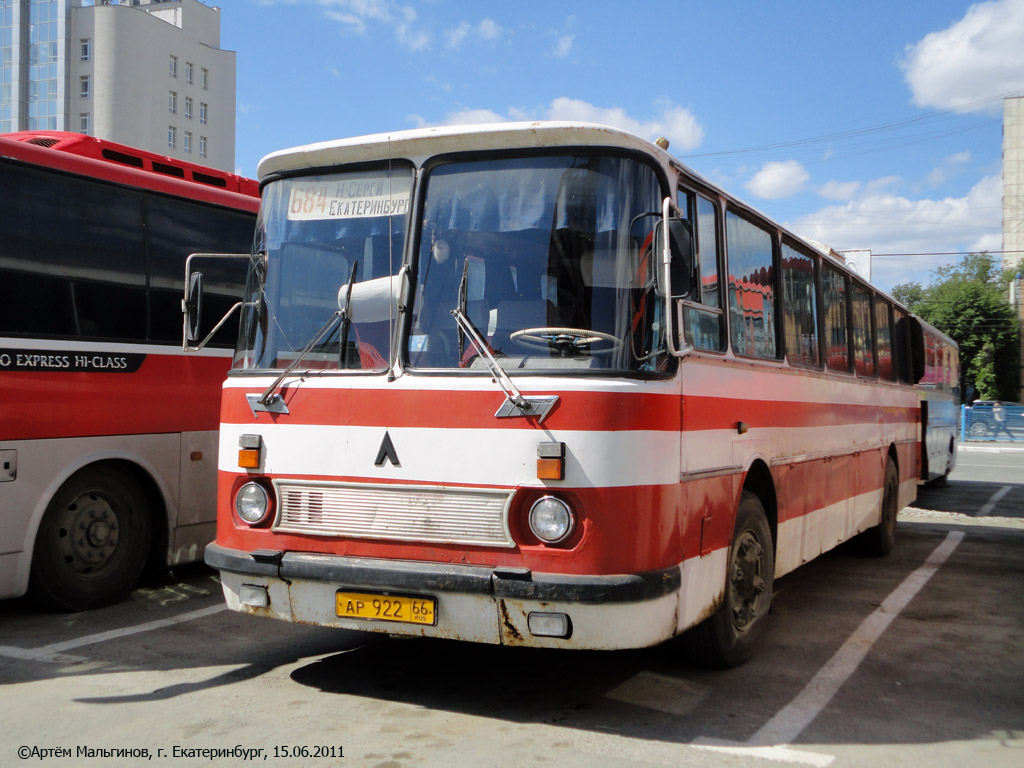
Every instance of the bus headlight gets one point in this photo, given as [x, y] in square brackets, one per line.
[252, 503]
[551, 520]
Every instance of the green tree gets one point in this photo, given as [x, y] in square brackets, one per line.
[969, 302]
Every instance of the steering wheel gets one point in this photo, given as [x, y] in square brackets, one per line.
[564, 338]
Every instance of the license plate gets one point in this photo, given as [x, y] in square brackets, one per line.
[399, 608]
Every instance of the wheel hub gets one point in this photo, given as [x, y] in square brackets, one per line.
[89, 532]
[746, 581]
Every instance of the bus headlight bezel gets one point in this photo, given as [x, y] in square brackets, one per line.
[551, 520]
[252, 503]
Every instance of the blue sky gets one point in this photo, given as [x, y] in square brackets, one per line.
[874, 124]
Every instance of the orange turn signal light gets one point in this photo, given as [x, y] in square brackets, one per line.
[249, 458]
[249, 449]
[551, 461]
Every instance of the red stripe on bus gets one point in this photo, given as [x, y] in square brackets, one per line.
[169, 393]
[600, 411]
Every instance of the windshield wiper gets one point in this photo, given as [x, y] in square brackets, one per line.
[273, 402]
[516, 403]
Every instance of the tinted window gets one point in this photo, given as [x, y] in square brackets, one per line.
[800, 306]
[837, 346]
[71, 257]
[178, 228]
[751, 288]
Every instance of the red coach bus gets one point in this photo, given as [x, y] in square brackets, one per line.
[108, 432]
[540, 384]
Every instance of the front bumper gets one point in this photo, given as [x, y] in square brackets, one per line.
[475, 603]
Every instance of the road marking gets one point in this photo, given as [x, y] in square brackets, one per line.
[54, 652]
[991, 503]
[789, 722]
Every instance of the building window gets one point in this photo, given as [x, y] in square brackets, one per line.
[83, 123]
[172, 137]
[186, 143]
[174, 66]
[206, 79]
[188, 72]
[202, 113]
[202, 146]
[188, 107]
[172, 102]
[84, 86]
[86, 49]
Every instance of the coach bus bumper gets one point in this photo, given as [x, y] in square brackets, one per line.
[475, 603]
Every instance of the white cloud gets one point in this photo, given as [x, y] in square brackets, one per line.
[358, 14]
[778, 179]
[675, 123]
[839, 190]
[959, 158]
[889, 223]
[978, 57]
[563, 46]
[488, 29]
[454, 37]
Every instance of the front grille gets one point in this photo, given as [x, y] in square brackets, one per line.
[468, 516]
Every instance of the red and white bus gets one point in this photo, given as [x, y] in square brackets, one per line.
[108, 431]
[540, 384]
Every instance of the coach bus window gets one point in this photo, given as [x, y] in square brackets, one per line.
[837, 345]
[799, 301]
[64, 287]
[751, 288]
[883, 340]
[177, 228]
[548, 258]
[326, 243]
[863, 349]
[703, 326]
[901, 347]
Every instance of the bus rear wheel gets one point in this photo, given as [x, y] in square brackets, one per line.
[880, 540]
[732, 634]
[93, 541]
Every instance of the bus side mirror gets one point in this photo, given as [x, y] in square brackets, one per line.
[192, 307]
[681, 271]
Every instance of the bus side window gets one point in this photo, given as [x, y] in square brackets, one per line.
[800, 306]
[863, 348]
[704, 327]
[837, 343]
[752, 288]
[883, 340]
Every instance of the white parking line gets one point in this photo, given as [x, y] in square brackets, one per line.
[54, 652]
[991, 503]
[774, 737]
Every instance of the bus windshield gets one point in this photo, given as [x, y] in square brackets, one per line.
[548, 258]
[327, 247]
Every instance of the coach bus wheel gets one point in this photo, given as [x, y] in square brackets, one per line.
[880, 540]
[92, 542]
[731, 635]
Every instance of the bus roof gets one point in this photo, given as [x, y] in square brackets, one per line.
[101, 159]
[425, 142]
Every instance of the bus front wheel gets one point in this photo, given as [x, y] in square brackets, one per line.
[93, 541]
[732, 634]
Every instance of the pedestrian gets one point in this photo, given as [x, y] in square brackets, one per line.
[999, 414]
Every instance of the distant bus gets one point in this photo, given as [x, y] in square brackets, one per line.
[108, 431]
[540, 384]
[939, 386]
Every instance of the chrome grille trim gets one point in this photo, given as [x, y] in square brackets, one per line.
[434, 514]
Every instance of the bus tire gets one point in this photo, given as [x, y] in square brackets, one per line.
[732, 634]
[880, 540]
[93, 541]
